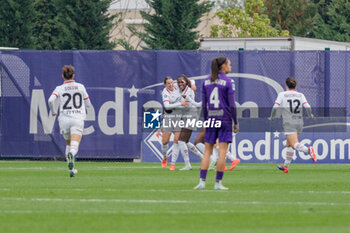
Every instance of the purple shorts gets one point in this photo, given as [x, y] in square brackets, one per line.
[224, 134]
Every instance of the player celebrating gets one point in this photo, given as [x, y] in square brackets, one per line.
[171, 101]
[218, 103]
[291, 103]
[73, 99]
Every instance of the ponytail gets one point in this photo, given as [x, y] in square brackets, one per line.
[216, 64]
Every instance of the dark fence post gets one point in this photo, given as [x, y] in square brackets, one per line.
[1, 86]
[326, 81]
[292, 63]
[240, 70]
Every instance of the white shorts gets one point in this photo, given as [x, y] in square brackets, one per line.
[190, 115]
[169, 121]
[292, 128]
[69, 126]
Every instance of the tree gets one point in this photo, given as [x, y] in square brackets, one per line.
[333, 22]
[16, 23]
[172, 24]
[224, 4]
[294, 16]
[45, 24]
[252, 22]
[84, 24]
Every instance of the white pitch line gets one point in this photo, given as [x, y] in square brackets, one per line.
[311, 192]
[167, 212]
[320, 192]
[84, 168]
[182, 212]
[117, 167]
[33, 168]
[97, 200]
[137, 212]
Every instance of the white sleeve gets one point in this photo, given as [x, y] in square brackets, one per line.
[278, 101]
[86, 98]
[85, 94]
[194, 103]
[56, 92]
[87, 103]
[52, 100]
[304, 101]
[165, 97]
[190, 98]
[307, 106]
[277, 104]
[166, 102]
[169, 106]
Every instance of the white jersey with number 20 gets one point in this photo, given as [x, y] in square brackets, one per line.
[72, 97]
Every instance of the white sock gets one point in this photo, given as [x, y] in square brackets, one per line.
[289, 156]
[67, 151]
[194, 150]
[184, 153]
[218, 183]
[201, 147]
[74, 147]
[300, 147]
[230, 156]
[175, 154]
[214, 156]
[165, 150]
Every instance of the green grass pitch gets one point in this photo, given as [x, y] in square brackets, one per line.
[142, 197]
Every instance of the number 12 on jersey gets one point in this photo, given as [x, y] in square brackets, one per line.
[296, 109]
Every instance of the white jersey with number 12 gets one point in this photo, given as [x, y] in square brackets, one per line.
[291, 102]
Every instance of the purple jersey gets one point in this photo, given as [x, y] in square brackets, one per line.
[218, 99]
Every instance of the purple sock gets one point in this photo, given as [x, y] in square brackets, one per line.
[203, 174]
[219, 176]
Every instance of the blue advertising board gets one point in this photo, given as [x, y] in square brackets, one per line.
[125, 85]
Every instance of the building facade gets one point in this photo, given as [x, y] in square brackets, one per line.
[128, 15]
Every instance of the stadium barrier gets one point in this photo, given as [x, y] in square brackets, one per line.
[124, 85]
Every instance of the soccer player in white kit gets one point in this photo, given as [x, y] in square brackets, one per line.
[172, 102]
[291, 103]
[188, 114]
[72, 99]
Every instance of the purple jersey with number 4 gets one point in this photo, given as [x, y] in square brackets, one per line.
[218, 103]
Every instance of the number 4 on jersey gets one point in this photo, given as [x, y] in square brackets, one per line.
[214, 97]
